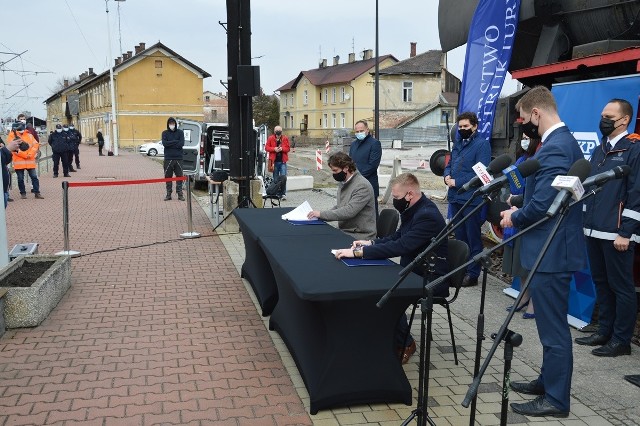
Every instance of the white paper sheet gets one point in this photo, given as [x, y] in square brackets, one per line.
[299, 213]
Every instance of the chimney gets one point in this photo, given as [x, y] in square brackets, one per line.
[137, 49]
[142, 46]
[129, 54]
[352, 57]
[368, 54]
[323, 64]
[118, 60]
[66, 83]
[90, 71]
[336, 60]
[124, 56]
[413, 49]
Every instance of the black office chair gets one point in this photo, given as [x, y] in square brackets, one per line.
[387, 222]
[274, 189]
[457, 255]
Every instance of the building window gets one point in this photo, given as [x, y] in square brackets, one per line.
[333, 95]
[158, 63]
[305, 97]
[293, 124]
[334, 122]
[285, 101]
[343, 120]
[326, 96]
[326, 121]
[407, 91]
[443, 115]
[342, 93]
[292, 101]
[207, 98]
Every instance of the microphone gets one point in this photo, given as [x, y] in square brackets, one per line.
[569, 187]
[494, 167]
[600, 179]
[517, 201]
[525, 169]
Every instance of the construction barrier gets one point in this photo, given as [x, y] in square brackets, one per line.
[318, 159]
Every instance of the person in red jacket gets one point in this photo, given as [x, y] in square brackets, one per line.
[278, 148]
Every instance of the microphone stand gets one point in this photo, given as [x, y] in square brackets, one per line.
[426, 309]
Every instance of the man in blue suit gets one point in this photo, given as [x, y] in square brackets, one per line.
[566, 254]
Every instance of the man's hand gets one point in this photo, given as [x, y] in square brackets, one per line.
[313, 214]
[506, 217]
[13, 145]
[348, 253]
[360, 243]
[621, 243]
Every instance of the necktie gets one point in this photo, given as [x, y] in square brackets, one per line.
[607, 147]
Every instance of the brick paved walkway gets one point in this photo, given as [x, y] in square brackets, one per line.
[164, 334]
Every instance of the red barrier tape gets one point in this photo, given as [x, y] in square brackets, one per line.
[127, 182]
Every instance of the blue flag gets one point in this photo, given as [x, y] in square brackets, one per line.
[491, 38]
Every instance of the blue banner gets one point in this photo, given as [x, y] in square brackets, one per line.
[489, 47]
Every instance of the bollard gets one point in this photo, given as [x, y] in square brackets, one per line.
[189, 233]
[65, 222]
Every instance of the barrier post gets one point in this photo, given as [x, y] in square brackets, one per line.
[65, 222]
[190, 233]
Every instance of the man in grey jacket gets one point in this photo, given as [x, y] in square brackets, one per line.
[355, 210]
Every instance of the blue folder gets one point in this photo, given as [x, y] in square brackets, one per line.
[366, 262]
[306, 222]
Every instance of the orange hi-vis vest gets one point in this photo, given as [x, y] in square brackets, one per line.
[24, 159]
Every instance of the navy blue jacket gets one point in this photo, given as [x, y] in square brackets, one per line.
[75, 136]
[60, 142]
[173, 141]
[616, 209]
[464, 155]
[367, 154]
[567, 251]
[419, 224]
[5, 159]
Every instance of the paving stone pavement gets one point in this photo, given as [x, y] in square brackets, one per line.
[168, 333]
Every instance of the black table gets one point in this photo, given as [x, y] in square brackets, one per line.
[341, 342]
[258, 223]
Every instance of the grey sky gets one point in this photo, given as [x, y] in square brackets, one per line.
[69, 36]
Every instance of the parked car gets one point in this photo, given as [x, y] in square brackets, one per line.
[152, 148]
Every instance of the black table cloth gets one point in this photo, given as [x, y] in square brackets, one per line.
[341, 342]
[257, 223]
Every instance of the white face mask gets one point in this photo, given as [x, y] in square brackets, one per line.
[171, 127]
[59, 130]
[71, 127]
[524, 143]
[23, 121]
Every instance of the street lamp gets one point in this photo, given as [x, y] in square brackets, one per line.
[114, 125]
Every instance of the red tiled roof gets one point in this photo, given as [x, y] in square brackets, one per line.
[341, 73]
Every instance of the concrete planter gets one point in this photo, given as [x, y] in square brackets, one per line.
[29, 306]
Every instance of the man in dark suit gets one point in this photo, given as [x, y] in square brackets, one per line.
[566, 254]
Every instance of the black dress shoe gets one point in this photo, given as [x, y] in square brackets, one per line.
[469, 281]
[533, 387]
[594, 340]
[612, 349]
[539, 407]
[633, 379]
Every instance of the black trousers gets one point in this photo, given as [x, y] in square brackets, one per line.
[612, 273]
[57, 157]
[76, 153]
[171, 168]
[100, 146]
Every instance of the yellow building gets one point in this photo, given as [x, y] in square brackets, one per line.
[151, 84]
[321, 102]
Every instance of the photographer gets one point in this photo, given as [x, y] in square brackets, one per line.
[25, 158]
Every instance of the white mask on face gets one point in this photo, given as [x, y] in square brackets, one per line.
[171, 127]
[524, 143]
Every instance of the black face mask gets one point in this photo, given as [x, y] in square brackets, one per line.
[530, 130]
[401, 204]
[607, 126]
[340, 177]
[278, 133]
[465, 133]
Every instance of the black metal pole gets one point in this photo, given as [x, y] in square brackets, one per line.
[246, 105]
[376, 112]
[233, 60]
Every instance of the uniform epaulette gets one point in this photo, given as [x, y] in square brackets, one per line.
[633, 137]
